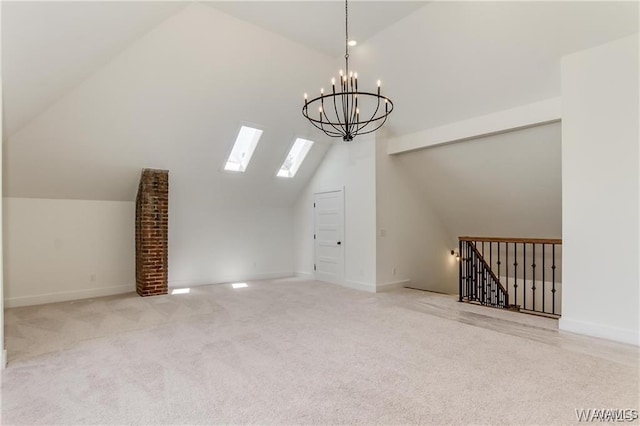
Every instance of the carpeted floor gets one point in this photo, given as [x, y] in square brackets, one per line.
[300, 352]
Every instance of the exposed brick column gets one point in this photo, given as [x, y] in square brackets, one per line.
[152, 226]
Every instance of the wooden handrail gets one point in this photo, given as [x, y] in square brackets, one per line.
[513, 240]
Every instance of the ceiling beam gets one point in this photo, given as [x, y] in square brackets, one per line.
[535, 114]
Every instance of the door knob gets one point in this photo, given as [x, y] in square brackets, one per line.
[339, 242]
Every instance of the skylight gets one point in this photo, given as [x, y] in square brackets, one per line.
[243, 148]
[294, 159]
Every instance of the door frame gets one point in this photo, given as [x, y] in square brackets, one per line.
[343, 243]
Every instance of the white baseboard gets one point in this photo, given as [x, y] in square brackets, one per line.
[598, 330]
[228, 279]
[14, 302]
[305, 275]
[357, 285]
[392, 285]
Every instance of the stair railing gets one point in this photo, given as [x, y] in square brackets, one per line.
[513, 273]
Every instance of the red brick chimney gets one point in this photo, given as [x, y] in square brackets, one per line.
[152, 226]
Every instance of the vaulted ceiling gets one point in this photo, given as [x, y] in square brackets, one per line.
[94, 91]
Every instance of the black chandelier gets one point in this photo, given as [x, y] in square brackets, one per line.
[339, 113]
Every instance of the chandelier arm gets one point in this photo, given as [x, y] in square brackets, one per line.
[327, 132]
[350, 110]
[329, 122]
[340, 123]
[319, 124]
[372, 115]
[354, 121]
[331, 133]
[335, 107]
[377, 127]
[345, 105]
[373, 122]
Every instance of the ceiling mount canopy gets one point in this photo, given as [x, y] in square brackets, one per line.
[347, 112]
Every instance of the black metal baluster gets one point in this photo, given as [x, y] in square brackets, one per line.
[483, 290]
[515, 273]
[553, 283]
[544, 307]
[487, 287]
[499, 260]
[478, 281]
[474, 283]
[482, 282]
[466, 267]
[492, 291]
[506, 263]
[533, 267]
[459, 271]
[498, 264]
[491, 254]
[524, 275]
[470, 271]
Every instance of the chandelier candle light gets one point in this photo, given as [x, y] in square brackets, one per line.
[340, 112]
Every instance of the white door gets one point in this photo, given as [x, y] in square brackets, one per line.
[329, 236]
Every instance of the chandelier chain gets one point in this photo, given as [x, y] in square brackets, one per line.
[346, 33]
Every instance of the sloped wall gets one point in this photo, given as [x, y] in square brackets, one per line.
[174, 99]
[506, 185]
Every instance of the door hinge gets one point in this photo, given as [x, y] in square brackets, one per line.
[314, 266]
[314, 205]
[314, 236]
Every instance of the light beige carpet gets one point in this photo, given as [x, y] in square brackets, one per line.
[299, 352]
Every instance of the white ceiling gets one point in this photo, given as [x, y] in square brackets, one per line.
[320, 24]
[451, 61]
[174, 99]
[94, 91]
[49, 47]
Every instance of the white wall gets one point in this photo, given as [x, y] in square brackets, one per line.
[505, 185]
[413, 244]
[214, 244]
[600, 191]
[59, 250]
[67, 249]
[3, 354]
[352, 166]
